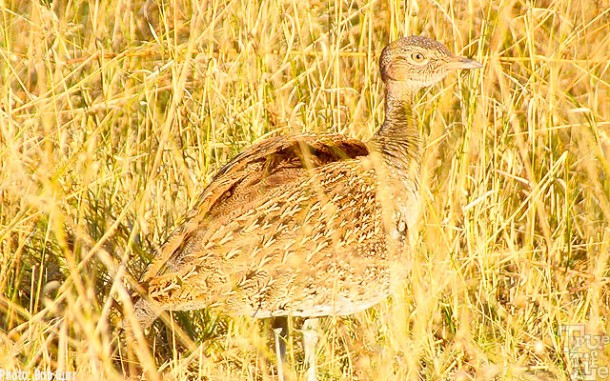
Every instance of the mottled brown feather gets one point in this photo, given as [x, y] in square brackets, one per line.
[254, 172]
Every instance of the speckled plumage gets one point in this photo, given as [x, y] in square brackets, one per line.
[305, 225]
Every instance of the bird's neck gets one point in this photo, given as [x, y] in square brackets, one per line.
[398, 140]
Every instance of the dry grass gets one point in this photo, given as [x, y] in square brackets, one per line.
[114, 114]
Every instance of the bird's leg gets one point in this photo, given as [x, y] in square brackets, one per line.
[310, 340]
[280, 334]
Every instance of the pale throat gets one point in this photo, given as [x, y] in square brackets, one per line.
[399, 120]
[399, 139]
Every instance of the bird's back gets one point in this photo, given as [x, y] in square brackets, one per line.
[292, 226]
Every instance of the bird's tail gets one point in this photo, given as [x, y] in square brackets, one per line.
[144, 313]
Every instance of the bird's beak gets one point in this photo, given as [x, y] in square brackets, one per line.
[457, 62]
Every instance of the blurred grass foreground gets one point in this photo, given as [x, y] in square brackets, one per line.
[115, 114]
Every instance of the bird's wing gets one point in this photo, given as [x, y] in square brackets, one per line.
[251, 174]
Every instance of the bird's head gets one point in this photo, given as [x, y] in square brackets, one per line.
[416, 61]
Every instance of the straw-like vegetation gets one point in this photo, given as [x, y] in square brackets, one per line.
[114, 115]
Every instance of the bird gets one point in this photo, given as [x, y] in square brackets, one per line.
[305, 225]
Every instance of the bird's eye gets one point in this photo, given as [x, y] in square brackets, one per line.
[418, 57]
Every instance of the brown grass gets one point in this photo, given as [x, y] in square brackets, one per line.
[114, 114]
